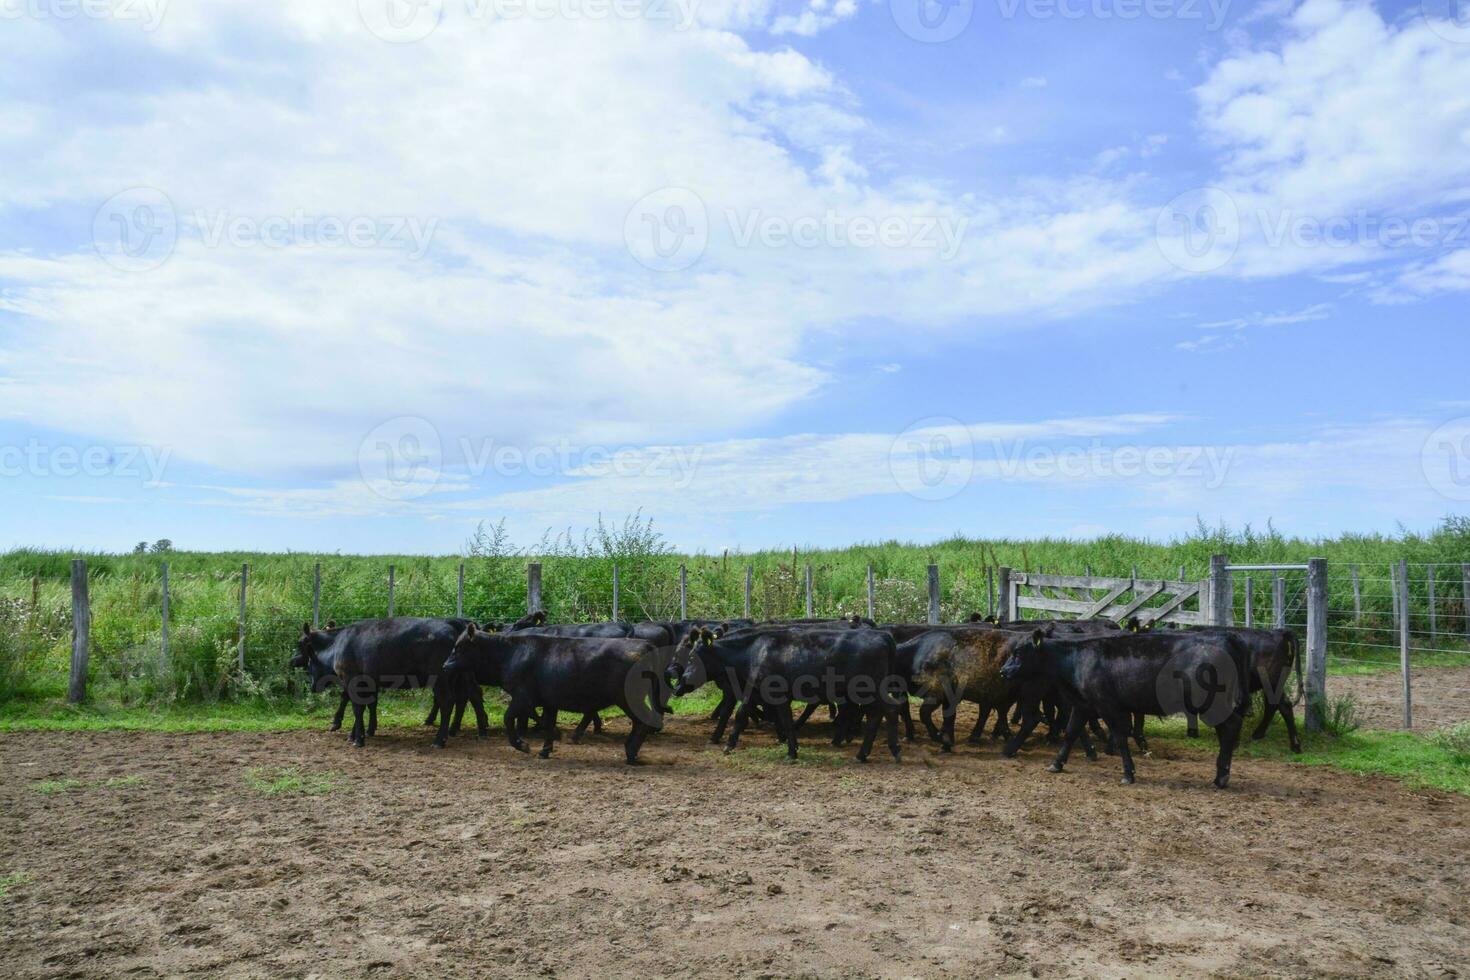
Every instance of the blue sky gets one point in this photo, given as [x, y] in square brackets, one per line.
[354, 275]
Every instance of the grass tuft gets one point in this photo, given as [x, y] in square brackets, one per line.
[11, 880]
[50, 787]
[277, 780]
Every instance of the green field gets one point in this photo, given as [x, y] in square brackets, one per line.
[127, 668]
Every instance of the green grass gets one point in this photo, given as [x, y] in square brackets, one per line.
[51, 787]
[769, 756]
[123, 782]
[293, 780]
[11, 880]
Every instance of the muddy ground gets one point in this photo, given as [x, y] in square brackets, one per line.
[167, 858]
[1440, 697]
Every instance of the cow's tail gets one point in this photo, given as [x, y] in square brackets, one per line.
[1296, 656]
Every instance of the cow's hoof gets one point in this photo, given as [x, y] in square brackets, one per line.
[1055, 767]
[1127, 780]
[862, 758]
[1192, 734]
[335, 728]
[1222, 782]
[1296, 748]
[790, 760]
[635, 761]
[576, 740]
[897, 759]
[482, 735]
[1009, 755]
[522, 748]
[436, 744]
[728, 749]
[945, 747]
[1092, 756]
[544, 754]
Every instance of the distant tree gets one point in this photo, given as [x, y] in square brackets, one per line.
[141, 548]
[162, 546]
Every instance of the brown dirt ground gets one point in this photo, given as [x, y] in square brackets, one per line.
[1440, 696]
[480, 860]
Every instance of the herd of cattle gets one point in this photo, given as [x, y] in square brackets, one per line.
[1075, 676]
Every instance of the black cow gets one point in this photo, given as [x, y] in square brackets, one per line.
[384, 654]
[1273, 655]
[849, 667]
[1116, 675]
[558, 673]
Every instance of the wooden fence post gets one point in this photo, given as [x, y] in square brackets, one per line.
[1316, 680]
[809, 590]
[933, 595]
[1357, 596]
[390, 591]
[163, 636]
[872, 595]
[1004, 594]
[1222, 596]
[683, 592]
[244, 586]
[616, 597]
[989, 590]
[749, 578]
[316, 597]
[1398, 610]
[533, 587]
[1403, 576]
[81, 630]
[459, 594]
[1278, 601]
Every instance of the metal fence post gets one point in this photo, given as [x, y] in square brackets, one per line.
[989, 590]
[1398, 606]
[809, 590]
[244, 586]
[1316, 679]
[1433, 624]
[1004, 593]
[1404, 641]
[1222, 596]
[872, 595]
[533, 587]
[615, 593]
[1278, 601]
[390, 591]
[316, 597]
[1250, 602]
[1357, 596]
[163, 637]
[459, 594]
[81, 630]
[749, 577]
[933, 595]
[683, 592]
[1465, 599]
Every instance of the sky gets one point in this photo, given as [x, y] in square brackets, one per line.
[355, 275]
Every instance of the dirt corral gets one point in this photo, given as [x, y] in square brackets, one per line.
[166, 856]
[1440, 695]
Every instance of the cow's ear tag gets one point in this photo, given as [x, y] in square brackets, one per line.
[1036, 637]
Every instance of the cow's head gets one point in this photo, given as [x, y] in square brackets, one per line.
[1024, 654]
[310, 643]
[461, 657]
[687, 671]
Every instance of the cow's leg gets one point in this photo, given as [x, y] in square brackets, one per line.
[722, 716]
[1030, 718]
[781, 711]
[1228, 731]
[742, 718]
[1191, 723]
[977, 734]
[514, 716]
[1289, 718]
[433, 720]
[908, 719]
[372, 711]
[596, 723]
[635, 739]
[341, 710]
[1019, 714]
[1120, 725]
[458, 698]
[946, 733]
[890, 715]
[1002, 727]
[926, 715]
[1137, 731]
[548, 718]
[581, 728]
[1075, 724]
[807, 712]
[871, 718]
[477, 701]
[357, 736]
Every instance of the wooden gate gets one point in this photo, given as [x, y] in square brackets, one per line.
[1090, 596]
